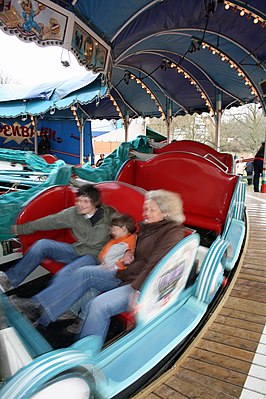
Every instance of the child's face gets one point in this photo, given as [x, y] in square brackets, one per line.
[118, 232]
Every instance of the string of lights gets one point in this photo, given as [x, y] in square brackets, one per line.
[74, 112]
[192, 82]
[149, 92]
[130, 76]
[244, 12]
[32, 120]
[117, 108]
[232, 65]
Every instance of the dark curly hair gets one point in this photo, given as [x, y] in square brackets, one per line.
[88, 190]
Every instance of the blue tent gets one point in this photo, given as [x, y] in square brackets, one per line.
[16, 100]
[185, 55]
[57, 109]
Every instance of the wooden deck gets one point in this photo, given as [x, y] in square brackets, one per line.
[228, 359]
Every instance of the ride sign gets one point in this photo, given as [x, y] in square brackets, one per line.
[167, 280]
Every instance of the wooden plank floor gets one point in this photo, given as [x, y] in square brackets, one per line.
[228, 359]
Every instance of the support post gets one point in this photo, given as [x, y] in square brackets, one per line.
[92, 157]
[35, 122]
[126, 121]
[81, 141]
[169, 118]
[218, 115]
[263, 183]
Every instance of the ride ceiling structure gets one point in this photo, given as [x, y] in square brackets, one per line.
[157, 57]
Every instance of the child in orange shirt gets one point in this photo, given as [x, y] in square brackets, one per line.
[123, 238]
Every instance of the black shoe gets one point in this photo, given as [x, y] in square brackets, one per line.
[27, 307]
[75, 327]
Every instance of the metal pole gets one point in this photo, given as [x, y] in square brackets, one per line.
[263, 183]
[126, 126]
[168, 125]
[35, 135]
[91, 143]
[81, 141]
[169, 118]
[218, 114]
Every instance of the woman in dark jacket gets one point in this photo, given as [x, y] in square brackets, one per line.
[160, 231]
[258, 166]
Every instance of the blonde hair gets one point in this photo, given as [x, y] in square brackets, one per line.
[169, 203]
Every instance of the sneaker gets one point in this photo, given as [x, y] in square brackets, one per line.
[75, 327]
[5, 284]
[27, 307]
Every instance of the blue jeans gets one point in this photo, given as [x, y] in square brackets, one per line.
[103, 307]
[58, 251]
[80, 307]
[69, 285]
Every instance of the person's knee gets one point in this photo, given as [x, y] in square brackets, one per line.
[43, 242]
[40, 245]
[99, 306]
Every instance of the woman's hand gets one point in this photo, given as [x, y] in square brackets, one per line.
[128, 257]
[133, 302]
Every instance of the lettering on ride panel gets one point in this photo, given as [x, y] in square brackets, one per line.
[168, 281]
[18, 132]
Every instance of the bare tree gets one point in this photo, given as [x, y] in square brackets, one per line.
[189, 127]
[242, 129]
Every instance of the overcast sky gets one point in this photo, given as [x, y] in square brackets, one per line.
[28, 63]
